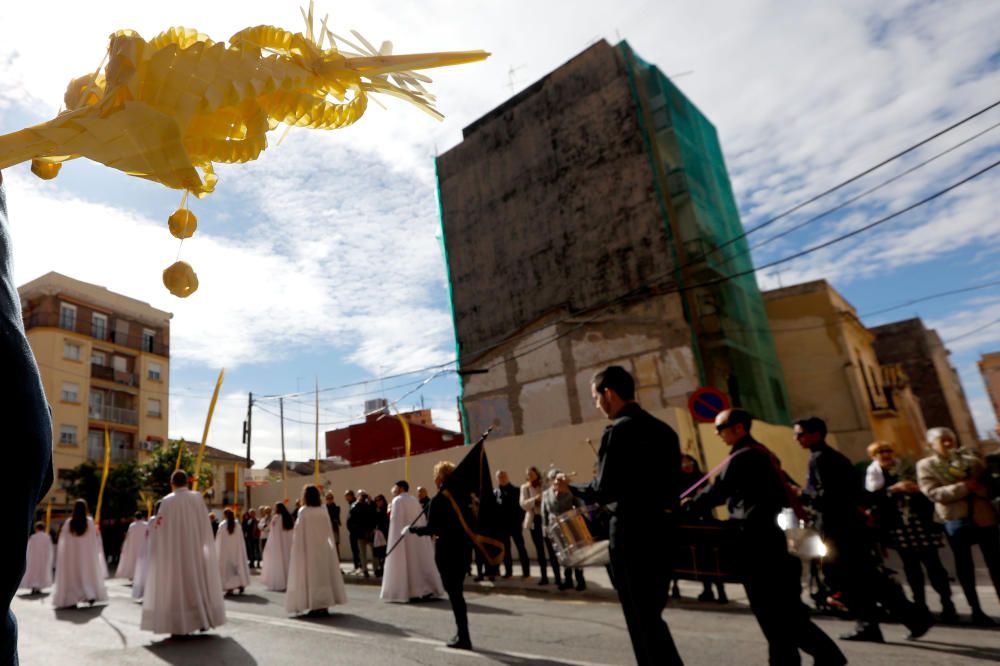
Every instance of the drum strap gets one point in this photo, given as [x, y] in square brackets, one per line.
[712, 472]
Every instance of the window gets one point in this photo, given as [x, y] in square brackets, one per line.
[153, 408]
[70, 392]
[154, 371]
[71, 350]
[67, 316]
[120, 363]
[99, 325]
[98, 358]
[148, 335]
[67, 435]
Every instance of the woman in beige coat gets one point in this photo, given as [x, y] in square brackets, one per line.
[531, 502]
[951, 477]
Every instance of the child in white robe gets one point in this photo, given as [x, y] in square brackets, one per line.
[79, 565]
[232, 551]
[314, 579]
[40, 554]
[278, 550]
[135, 543]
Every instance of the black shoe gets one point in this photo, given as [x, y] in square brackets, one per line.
[543, 581]
[869, 634]
[723, 599]
[508, 576]
[706, 596]
[580, 587]
[459, 643]
[981, 619]
[565, 586]
[920, 626]
[948, 613]
[479, 579]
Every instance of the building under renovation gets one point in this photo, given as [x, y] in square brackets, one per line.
[587, 221]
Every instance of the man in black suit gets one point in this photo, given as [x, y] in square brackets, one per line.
[638, 453]
[853, 565]
[24, 413]
[509, 500]
[334, 511]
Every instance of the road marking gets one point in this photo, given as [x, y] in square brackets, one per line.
[423, 641]
[560, 660]
[291, 624]
[464, 653]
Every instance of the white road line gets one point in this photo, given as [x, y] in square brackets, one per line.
[291, 624]
[464, 653]
[423, 641]
[539, 657]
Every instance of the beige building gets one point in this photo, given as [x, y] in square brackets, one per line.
[832, 371]
[989, 367]
[104, 360]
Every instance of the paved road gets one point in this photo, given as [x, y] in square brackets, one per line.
[506, 629]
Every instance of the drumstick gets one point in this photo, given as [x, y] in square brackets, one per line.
[591, 445]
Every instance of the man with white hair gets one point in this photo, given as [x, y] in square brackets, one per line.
[410, 573]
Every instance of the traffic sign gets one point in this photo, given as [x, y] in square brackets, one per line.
[706, 402]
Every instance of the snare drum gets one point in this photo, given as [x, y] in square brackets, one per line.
[573, 544]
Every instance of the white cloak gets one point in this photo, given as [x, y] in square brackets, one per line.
[40, 554]
[277, 553]
[135, 541]
[314, 578]
[142, 563]
[183, 592]
[79, 568]
[232, 552]
[410, 570]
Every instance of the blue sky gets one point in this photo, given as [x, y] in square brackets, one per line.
[322, 260]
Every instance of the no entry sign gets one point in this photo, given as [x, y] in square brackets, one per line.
[706, 403]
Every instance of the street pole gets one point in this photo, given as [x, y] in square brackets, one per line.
[246, 437]
[284, 465]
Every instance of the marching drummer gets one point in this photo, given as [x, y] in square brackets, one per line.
[756, 490]
[638, 452]
[557, 500]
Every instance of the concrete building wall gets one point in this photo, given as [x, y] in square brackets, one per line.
[989, 367]
[537, 386]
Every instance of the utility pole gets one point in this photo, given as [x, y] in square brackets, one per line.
[246, 439]
[284, 465]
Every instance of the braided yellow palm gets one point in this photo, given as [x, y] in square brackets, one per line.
[168, 108]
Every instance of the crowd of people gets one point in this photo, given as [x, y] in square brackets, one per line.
[182, 562]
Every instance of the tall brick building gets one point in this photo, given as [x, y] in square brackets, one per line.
[923, 356]
[579, 218]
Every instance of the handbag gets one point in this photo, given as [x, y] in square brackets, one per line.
[378, 541]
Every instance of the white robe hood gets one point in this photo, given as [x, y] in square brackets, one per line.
[314, 577]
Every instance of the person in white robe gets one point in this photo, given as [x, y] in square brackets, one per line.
[80, 561]
[314, 579]
[39, 558]
[278, 550]
[410, 571]
[141, 565]
[183, 591]
[135, 542]
[232, 551]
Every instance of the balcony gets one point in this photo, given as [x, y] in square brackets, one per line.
[113, 414]
[135, 341]
[119, 454]
[109, 374]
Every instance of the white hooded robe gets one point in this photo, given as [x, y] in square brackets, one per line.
[183, 592]
[277, 553]
[314, 578]
[40, 556]
[410, 570]
[135, 542]
[232, 551]
[80, 567]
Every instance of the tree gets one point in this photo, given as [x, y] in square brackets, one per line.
[121, 492]
[163, 461]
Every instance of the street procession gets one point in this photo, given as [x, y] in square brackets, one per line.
[560, 334]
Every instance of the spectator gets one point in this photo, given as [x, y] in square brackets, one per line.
[379, 535]
[361, 522]
[557, 500]
[349, 500]
[691, 474]
[263, 524]
[905, 518]
[509, 500]
[214, 520]
[953, 479]
[423, 497]
[334, 512]
[852, 564]
[531, 503]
